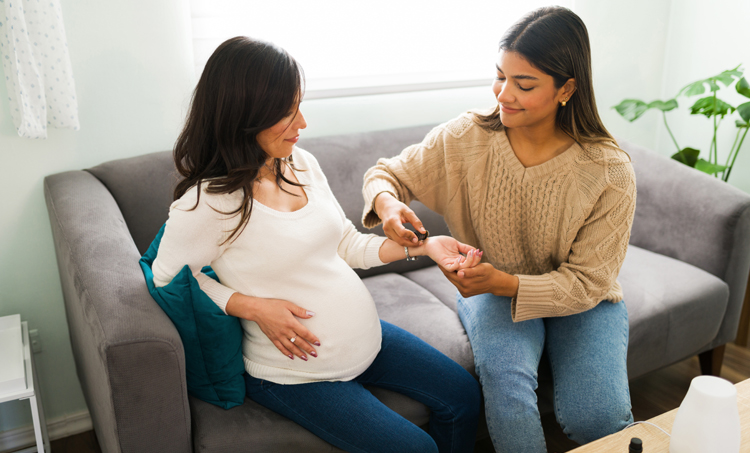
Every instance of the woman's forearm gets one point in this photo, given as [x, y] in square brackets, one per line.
[391, 251]
[242, 306]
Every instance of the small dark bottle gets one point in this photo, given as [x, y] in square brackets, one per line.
[636, 445]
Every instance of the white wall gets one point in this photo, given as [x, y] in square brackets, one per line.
[133, 69]
[627, 52]
[134, 77]
[706, 38]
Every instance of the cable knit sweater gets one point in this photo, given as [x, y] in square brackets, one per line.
[562, 227]
[305, 257]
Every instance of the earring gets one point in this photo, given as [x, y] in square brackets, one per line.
[564, 102]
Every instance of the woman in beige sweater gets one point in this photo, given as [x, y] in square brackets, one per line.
[542, 188]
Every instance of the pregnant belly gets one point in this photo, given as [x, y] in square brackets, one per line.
[346, 323]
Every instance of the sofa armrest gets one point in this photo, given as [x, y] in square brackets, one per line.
[129, 357]
[693, 217]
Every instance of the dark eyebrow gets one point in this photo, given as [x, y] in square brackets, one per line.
[522, 77]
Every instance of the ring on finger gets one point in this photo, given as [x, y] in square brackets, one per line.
[293, 338]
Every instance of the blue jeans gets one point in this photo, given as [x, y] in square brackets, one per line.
[587, 354]
[348, 416]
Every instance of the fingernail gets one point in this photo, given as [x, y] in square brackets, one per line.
[481, 253]
[303, 358]
[414, 240]
[312, 353]
[310, 313]
[317, 343]
[291, 356]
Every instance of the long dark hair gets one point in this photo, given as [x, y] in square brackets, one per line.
[247, 86]
[554, 40]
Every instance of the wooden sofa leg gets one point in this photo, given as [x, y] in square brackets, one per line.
[711, 361]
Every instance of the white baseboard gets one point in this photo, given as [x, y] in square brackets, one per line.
[57, 428]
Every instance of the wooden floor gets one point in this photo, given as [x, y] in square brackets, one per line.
[651, 395]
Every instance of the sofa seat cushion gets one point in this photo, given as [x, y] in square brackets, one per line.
[249, 427]
[433, 280]
[408, 305]
[675, 309]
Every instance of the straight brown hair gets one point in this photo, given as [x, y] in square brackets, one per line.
[555, 40]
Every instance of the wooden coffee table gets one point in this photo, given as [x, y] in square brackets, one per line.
[655, 441]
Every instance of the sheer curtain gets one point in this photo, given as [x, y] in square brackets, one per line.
[36, 67]
[352, 48]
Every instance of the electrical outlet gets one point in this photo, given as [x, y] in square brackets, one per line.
[36, 345]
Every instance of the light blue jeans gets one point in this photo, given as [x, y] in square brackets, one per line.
[587, 354]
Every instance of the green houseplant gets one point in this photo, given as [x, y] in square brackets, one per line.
[712, 108]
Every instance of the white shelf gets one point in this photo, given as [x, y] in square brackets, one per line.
[9, 353]
[12, 370]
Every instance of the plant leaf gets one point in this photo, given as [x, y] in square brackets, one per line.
[631, 109]
[687, 156]
[693, 89]
[725, 77]
[664, 106]
[705, 106]
[707, 167]
[743, 87]
[744, 111]
[740, 124]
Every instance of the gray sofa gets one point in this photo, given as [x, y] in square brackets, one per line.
[684, 279]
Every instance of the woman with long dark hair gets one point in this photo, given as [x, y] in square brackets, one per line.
[259, 210]
[541, 187]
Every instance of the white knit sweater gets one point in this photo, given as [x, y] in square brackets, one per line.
[305, 257]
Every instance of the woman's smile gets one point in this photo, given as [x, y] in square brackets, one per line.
[509, 110]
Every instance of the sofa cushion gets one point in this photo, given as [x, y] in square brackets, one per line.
[142, 187]
[404, 303]
[212, 340]
[675, 309]
[433, 280]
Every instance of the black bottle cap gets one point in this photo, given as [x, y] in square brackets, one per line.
[636, 445]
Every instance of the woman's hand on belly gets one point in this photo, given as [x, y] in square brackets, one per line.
[278, 320]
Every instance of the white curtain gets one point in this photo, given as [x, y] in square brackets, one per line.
[36, 66]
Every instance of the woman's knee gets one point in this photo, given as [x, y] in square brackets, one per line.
[586, 422]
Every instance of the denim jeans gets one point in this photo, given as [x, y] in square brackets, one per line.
[587, 354]
[348, 416]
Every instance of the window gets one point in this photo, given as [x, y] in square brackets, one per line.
[349, 47]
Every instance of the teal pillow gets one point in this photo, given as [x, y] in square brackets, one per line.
[212, 340]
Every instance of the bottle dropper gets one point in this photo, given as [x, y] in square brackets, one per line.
[636, 445]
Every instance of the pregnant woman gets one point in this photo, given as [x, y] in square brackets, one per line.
[259, 211]
[541, 187]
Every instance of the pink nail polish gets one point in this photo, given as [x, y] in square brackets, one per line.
[310, 313]
[313, 354]
[317, 343]
[303, 358]
[291, 356]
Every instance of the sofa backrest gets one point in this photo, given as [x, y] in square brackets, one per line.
[143, 185]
